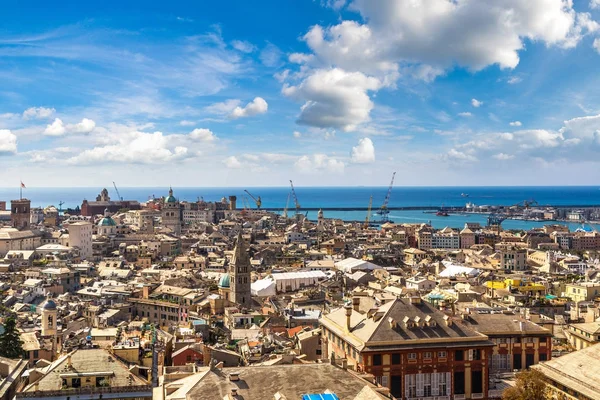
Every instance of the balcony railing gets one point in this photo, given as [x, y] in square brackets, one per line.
[85, 391]
[477, 396]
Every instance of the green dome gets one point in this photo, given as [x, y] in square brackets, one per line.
[107, 221]
[170, 199]
[224, 281]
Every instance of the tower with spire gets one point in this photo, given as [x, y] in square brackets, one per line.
[239, 272]
[171, 213]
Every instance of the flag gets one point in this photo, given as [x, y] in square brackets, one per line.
[23, 185]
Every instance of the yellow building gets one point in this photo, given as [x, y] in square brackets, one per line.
[582, 291]
[584, 335]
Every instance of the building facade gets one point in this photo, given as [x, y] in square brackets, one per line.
[172, 213]
[411, 348]
[20, 211]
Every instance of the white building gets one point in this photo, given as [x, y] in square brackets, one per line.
[80, 236]
[292, 281]
[351, 264]
[445, 239]
[420, 283]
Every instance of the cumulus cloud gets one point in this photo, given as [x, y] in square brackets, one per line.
[364, 152]
[202, 135]
[133, 148]
[297, 135]
[503, 156]
[334, 98]
[243, 46]
[223, 107]
[255, 107]
[596, 45]
[461, 156]
[595, 4]
[319, 163]
[232, 162]
[58, 128]
[476, 103]
[8, 142]
[515, 123]
[38, 113]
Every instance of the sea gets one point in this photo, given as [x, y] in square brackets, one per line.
[344, 197]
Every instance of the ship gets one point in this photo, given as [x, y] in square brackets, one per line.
[441, 213]
[464, 195]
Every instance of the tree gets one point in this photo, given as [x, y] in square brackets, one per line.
[11, 345]
[529, 385]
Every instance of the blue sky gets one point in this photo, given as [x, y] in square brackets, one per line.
[327, 92]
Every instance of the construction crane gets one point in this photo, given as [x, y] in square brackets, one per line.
[287, 203]
[383, 210]
[296, 204]
[117, 190]
[60, 204]
[368, 217]
[257, 200]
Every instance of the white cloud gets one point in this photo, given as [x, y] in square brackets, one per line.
[364, 152]
[319, 163]
[255, 107]
[514, 80]
[465, 114]
[300, 58]
[271, 55]
[476, 103]
[297, 135]
[38, 113]
[223, 108]
[133, 148]
[8, 142]
[595, 4]
[243, 46]
[187, 123]
[596, 45]
[334, 98]
[334, 4]
[456, 155]
[503, 156]
[58, 128]
[232, 162]
[515, 123]
[85, 126]
[203, 135]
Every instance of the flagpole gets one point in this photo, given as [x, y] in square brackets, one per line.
[21, 190]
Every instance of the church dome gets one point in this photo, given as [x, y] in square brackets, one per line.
[170, 198]
[224, 281]
[107, 221]
[48, 305]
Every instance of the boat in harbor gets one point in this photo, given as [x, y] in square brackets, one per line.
[464, 195]
[442, 213]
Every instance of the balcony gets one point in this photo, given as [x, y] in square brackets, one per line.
[477, 396]
[459, 397]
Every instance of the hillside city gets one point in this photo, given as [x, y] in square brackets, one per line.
[207, 300]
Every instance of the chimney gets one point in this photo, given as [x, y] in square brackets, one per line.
[356, 303]
[69, 363]
[415, 300]
[234, 392]
[234, 376]
[348, 309]
[448, 320]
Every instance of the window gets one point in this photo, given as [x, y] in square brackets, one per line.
[76, 382]
[459, 356]
[442, 354]
[189, 358]
[412, 356]
[396, 359]
[411, 385]
[377, 359]
[427, 385]
[543, 357]
[427, 355]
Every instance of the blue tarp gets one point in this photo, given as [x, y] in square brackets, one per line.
[324, 396]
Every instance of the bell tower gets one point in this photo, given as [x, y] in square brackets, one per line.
[239, 271]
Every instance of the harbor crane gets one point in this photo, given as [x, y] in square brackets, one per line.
[296, 203]
[383, 210]
[368, 217]
[60, 204]
[257, 200]
[117, 190]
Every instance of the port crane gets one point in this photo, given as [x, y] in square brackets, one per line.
[383, 210]
[257, 200]
[296, 203]
[117, 190]
[368, 217]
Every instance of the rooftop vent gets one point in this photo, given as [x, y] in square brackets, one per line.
[234, 376]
